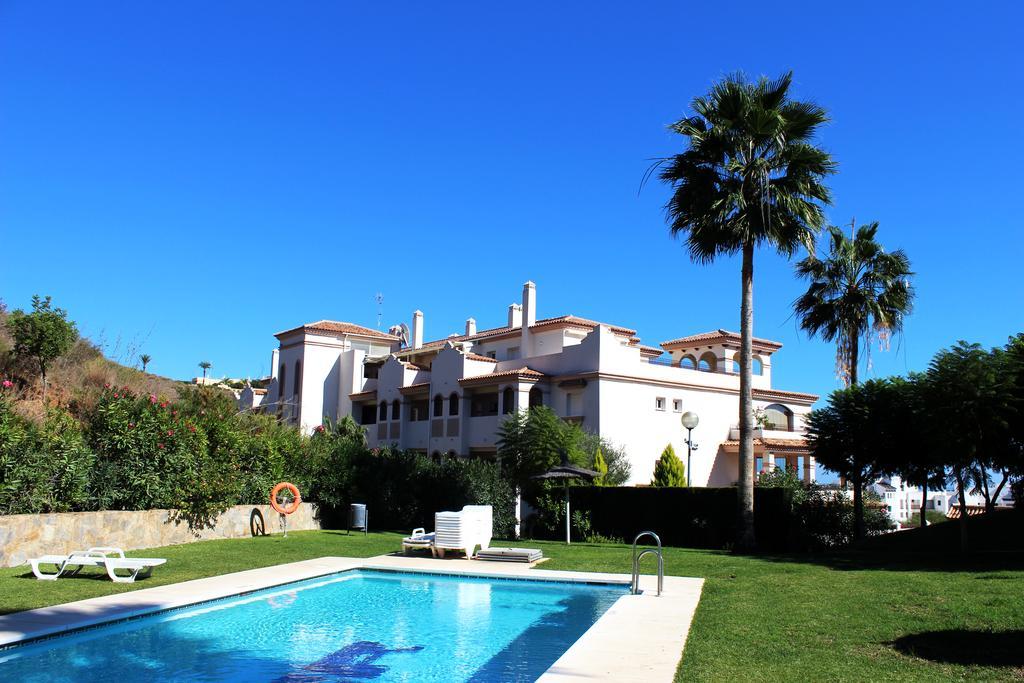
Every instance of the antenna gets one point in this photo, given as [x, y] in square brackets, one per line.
[379, 298]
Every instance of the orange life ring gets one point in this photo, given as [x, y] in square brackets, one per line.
[296, 498]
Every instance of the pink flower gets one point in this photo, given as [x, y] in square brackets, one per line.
[174, 413]
[8, 384]
[170, 432]
[131, 425]
[160, 446]
[152, 398]
[191, 429]
[116, 396]
[107, 385]
[319, 429]
[164, 404]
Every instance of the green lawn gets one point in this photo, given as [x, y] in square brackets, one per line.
[835, 618]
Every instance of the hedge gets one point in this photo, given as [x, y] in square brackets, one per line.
[686, 517]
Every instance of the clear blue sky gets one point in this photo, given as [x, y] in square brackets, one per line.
[189, 178]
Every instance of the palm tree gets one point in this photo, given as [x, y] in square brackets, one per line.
[858, 292]
[205, 365]
[750, 176]
[145, 358]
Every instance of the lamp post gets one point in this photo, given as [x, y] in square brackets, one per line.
[690, 421]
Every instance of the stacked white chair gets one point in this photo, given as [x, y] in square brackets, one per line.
[464, 530]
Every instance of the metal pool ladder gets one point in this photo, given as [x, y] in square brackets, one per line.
[635, 584]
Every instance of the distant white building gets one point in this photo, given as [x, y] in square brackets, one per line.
[903, 501]
[449, 396]
[251, 398]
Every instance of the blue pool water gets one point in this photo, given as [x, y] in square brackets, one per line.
[353, 626]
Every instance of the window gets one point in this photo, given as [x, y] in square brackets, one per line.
[778, 417]
[677, 405]
[418, 410]
[736, 365]
[757, 365]
[512, 353]
[453, 404]
[438, 406]
[569, 404]
[688, 362]
[659, 403]
[707, 363]
[383, 411]
[536, 398]
[491, 354]
[282, 387]
[370, 370]
[368, 414]
[396, 410]
[484, 405]
[508, 401]
[297, 382]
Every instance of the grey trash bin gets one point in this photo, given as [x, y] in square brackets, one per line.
[358, 517]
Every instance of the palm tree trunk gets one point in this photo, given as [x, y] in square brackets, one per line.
[858, 507]
[745, 537]
[924, 501]
[854, 359]
[963, 510]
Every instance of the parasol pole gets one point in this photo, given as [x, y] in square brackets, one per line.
[568, 519]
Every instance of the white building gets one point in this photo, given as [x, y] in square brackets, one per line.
[448, 396]
[903, 501]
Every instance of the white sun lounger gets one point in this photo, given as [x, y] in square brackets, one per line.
[73, 562]
[528, 555]
[420, 540]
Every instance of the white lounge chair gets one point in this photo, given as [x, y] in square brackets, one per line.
[464, 530]
[419, 540]
[73, 562]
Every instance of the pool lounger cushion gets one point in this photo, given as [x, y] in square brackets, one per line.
[509, 554]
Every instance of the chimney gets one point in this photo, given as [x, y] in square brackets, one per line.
[529, 303]
[529, 317]
[417, 329]
[274, 355]
[470, 327]
[515, 315]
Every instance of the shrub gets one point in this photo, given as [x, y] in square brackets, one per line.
[669, 470]
[42, 468]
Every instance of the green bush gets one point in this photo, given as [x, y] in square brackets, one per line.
[42, 468]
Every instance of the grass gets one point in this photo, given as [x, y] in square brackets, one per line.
[844, 617]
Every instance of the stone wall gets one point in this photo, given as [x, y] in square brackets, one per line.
[25, 536]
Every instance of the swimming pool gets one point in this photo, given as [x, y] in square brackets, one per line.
[358, 625]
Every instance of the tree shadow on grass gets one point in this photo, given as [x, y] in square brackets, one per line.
[865, 560]
[969, 648]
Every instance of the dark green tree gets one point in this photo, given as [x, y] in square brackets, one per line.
[205, 365]
[751, 175]
[857, 292]
[43, 335]
[669, 469]
[145, 359]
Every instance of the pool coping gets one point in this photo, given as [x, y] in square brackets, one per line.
[639, 638]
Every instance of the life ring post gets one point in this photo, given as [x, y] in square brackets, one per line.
[285, 508]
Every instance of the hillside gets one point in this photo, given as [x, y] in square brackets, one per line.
[75, 379]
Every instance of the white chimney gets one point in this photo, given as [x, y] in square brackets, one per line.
[274, 355]
[529, 303]
[470, 326]
[515, 315]
[417, 329]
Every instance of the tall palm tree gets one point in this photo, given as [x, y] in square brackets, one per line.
[858, 293]
[145, 358]
[205, 365]
[751, 175]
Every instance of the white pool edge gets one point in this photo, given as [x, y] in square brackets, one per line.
[640, 637]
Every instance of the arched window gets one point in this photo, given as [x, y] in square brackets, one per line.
[453, 404]
[282, 387]
[778, 417]
[536, 398]
[757, 365]
[298, 378]
[688, 362]
[736, 364]
[438, 406]
[707, 362]
[508, 401]
[396, 409]
[383, 411]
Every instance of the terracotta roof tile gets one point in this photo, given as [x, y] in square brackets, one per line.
[363, 395]
[417, 388]
[778, 393]
[718, 337]
[338, 327]
[477, 356]
[799, 444]
[495, 377]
